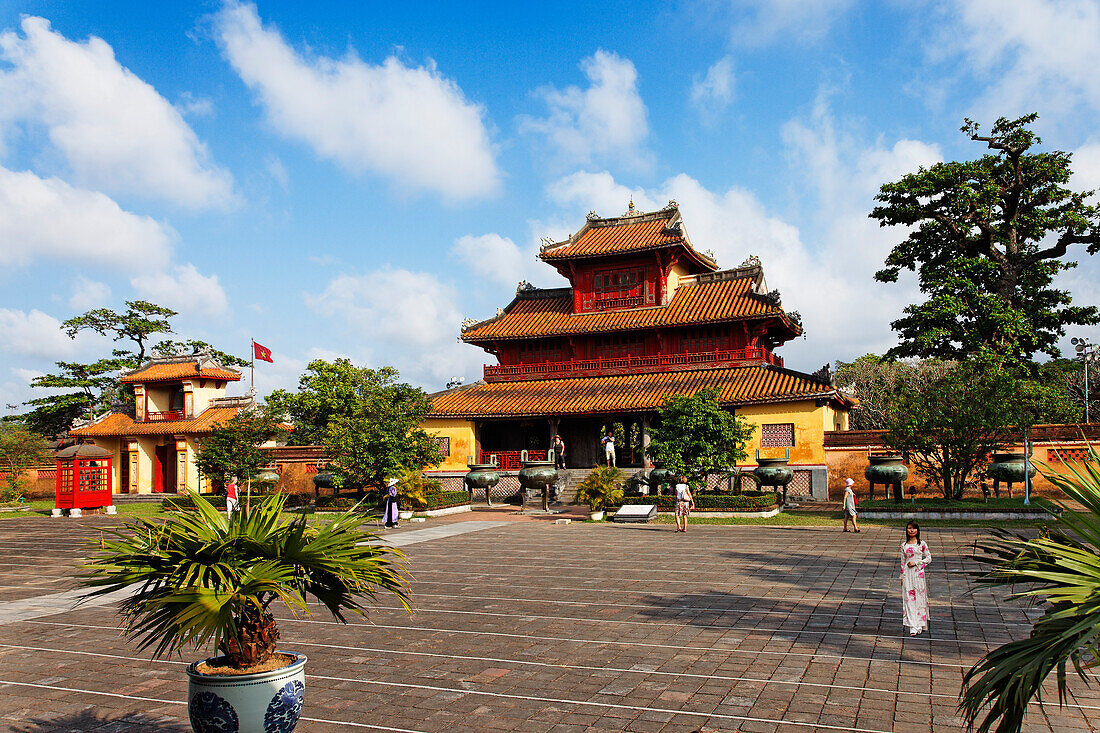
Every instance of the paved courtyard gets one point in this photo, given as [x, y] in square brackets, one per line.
[533, 626]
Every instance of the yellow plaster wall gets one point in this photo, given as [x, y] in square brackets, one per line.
[678, 271]
[810, 423]
[146, 450]
[203, 395]
[158, 396]
[461, 433]
[112, 444]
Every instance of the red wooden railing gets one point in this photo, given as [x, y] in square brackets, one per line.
[152, 416]
[628, 364]
[633, 301]
[508, 460]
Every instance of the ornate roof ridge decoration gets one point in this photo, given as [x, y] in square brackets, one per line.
[242, 401]
[524, 291]
[203, 360]
[673, 233]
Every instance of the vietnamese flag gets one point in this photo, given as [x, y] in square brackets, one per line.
[262, 353]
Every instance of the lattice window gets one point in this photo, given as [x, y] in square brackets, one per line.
[801, 483]
[777, 435]
[1067, 455]
[539, 352]
[617, 284]
[618, 345]
[704, 340]
[444, 445]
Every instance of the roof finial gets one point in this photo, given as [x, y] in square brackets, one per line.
[630, 209]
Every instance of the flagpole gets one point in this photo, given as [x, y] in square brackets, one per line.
[252, 376]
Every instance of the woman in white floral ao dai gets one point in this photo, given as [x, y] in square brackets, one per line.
[915, 557]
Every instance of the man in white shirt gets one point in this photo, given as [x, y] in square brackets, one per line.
[609, 449]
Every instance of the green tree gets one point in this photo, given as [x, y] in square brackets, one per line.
[327, 390]
[195, 346]
[697, 436]
[875, 381]
[368, 422]
[950, 425]
[93, 387]
[987, 237]
[20, 449]
[1059, 573]
[138, 324]
[233, 449]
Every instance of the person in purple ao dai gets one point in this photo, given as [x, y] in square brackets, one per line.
[915, 557]
[389, 504]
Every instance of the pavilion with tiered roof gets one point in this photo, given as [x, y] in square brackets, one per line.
[646, 315]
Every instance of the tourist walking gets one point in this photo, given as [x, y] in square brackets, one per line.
[389, 504]
[558, 446]
[915, 557]
[609, 449]
[231, 502]
[850, 505]
[685, 502]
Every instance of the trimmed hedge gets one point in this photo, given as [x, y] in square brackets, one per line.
[186, 503]
[753, 501]
[445, 499]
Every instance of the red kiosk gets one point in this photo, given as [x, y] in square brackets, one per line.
[83, 478]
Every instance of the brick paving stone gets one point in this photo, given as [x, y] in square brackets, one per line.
[788, 625]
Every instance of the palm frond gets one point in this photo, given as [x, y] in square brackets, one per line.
[191, 576]
[1061, 570]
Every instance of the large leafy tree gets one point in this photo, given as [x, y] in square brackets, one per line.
[876, 381]
[950, 425]
[233, 449]
[169, 347]
[697, 436]
[91, 387]
[1060, 569]
[987, 237]
[368, 422]
[20, 449]
[138, 324]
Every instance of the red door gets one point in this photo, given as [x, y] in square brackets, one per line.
[160, 457]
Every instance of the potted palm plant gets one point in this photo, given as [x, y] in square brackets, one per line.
[600, 489]
[199, 579]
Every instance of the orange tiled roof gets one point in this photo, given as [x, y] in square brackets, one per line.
[632, 233]
[627, 393]
[117, 424]
[693, 304]
[179, 370]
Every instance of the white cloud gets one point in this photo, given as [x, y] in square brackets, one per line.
[1086, 168]
[183, 289]
[712, 93]
[88, 294]
[492, 256]
[34, 334]
[116, 132]
[1038, 55]
[48, 218]
[277, 171]
[605, 121]
[409, 124]
[827, 276]
[405, 319]
[761, 22]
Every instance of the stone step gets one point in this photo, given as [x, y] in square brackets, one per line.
[139, 498]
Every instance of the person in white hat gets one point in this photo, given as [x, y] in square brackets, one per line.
[389, 504]
[850, 505]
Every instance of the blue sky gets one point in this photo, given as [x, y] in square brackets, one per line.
[354, 179]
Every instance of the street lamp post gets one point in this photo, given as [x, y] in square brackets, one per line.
[1086, 351]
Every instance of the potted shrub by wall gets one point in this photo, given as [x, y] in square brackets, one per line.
[198, 579]
[600, 489]
[413, 490]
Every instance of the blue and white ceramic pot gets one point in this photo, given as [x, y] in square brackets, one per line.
[262, 702]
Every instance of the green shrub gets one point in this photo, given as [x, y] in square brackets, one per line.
[415, 489]
[186, 503]
[444, 499]
[601, 488]
[335, 503]
[716, 502]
